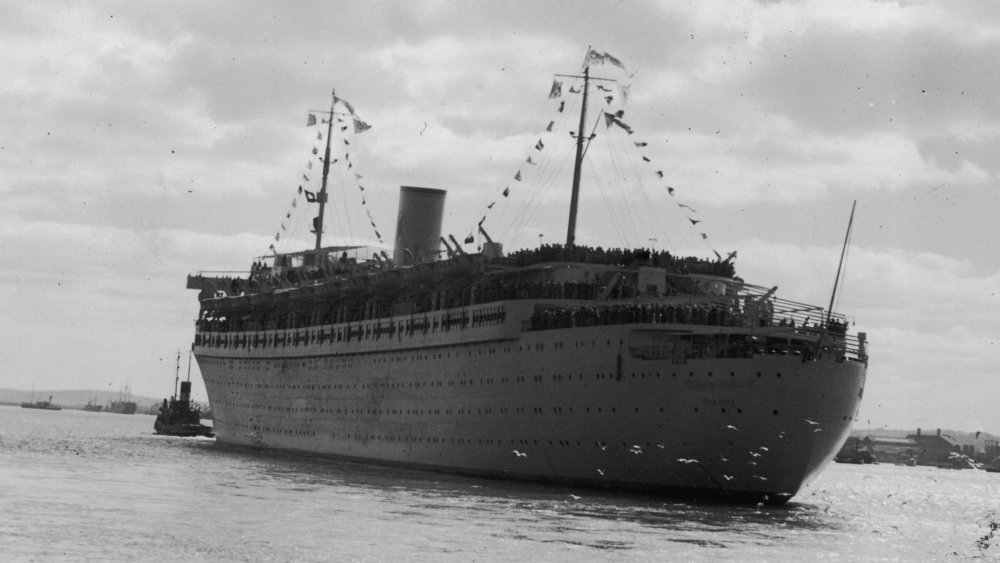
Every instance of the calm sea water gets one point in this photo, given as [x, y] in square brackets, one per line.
[97, 487]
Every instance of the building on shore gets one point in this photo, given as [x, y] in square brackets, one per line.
[939, 449]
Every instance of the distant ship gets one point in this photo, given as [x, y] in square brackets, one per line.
[178, 416]
[624, 369]
[45, 405]
[124, 404]
[92, 407]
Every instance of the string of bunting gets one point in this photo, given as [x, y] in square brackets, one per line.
[611, 118]
[532, 160]
[310, 195]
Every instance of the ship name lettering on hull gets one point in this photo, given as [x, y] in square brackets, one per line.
[720, 385]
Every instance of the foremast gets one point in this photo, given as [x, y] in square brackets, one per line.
[581, 148]
[321, 196]
[578, 163]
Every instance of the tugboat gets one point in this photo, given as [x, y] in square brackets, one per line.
[178, 417]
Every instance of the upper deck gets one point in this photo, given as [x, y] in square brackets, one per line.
[545, 289]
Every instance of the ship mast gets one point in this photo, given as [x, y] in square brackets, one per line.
[177, 373]
[321, 196]
[847, 237]
[578, 164]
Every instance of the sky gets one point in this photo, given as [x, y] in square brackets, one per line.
[145, 141]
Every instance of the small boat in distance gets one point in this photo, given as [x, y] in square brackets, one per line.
[178, 416]
[44, 405]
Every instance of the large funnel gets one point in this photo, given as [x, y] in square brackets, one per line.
[418, 225]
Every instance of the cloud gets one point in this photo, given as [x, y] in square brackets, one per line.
[106, 298]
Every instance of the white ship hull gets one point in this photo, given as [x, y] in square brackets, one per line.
[609, 406]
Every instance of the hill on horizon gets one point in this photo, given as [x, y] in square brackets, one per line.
[72, 399]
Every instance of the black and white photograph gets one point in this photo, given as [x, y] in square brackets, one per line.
[551, 280]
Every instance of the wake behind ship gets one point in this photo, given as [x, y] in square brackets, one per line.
[570, 364]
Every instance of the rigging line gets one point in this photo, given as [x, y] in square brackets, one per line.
[674, 207]
[619, 157]
[287, 232]
[608, 206]
[627, 209]
[632, 158]
[544, 193]
[559, 125]
[543, 179]
[294, 216]
[647, 221]
[702, 241]
[361, 197]
[348, 204]
[295, 224]
[304, 215]
[615, 204]
[509, 207]
[662, 213]
[340, 217]
[538, 189]
[539, 196]
[639, 215]
[283, 226]
[552, 169]
[296, 220]
[593, 132]
[539, 169]
[351, 206]
[345, 200]
[548, 189]
[340, 199]
[609, 203]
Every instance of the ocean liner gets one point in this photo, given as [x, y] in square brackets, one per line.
[577, 365]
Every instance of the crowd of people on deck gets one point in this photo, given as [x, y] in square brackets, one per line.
[620, 257]
[262, 275]
[754, 314]
[501, 290]
[551, 318]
